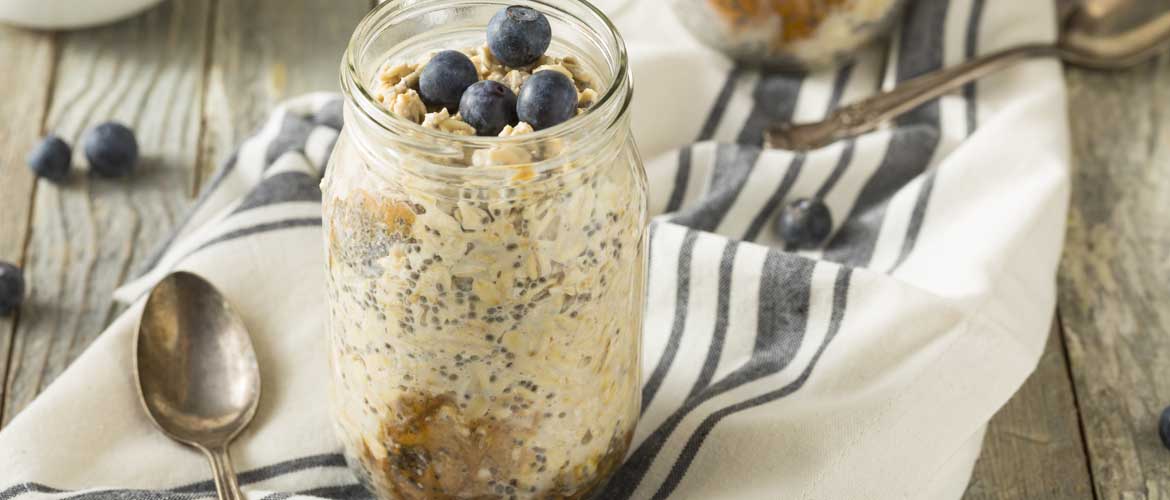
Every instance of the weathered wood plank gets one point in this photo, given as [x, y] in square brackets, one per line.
[265, 52]
[1115, 276]
[23, 111]
[88, 234]
[1033, 448]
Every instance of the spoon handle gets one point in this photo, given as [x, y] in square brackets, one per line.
[867, 114]
[226, 486]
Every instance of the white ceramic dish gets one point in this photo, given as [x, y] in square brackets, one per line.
[68, 14]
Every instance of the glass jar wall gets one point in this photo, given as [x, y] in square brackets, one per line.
[485, 293]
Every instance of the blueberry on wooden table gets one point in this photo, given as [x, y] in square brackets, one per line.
[11, 288]
[51, 159]
[1164, 427]
[546, 99]
[804, 223]
[111, 149]
[518, 35]
[488, 106]
[444, 79]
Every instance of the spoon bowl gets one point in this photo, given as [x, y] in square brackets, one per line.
[1113, 34]
[197, 374]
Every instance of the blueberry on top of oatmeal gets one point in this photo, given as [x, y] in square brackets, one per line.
[445, 77]
[50, 159]
[449, 91]
[546, 99]
[111, 149]
[1164, 427]
[488, 106]
[518, 35]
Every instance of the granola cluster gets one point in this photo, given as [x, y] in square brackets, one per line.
[397, 88]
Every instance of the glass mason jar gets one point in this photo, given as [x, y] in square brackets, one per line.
[793, 34]
[486, 293]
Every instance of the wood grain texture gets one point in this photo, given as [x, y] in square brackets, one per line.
[1033, 448]
[23, 114]
[196, 76]
[267, 51]
[1115, 276]
[88, 234]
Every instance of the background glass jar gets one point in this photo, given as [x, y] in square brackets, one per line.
[486, 293]
[793, 34]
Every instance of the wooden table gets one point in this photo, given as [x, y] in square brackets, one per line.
[193, 77]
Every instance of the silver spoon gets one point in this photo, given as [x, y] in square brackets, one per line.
[197, 374]
[1098, 34]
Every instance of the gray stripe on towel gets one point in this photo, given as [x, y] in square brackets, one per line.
[796, 165]
[785, 291]
[691, 449]
[912, 144]
[284, 187]
[294, 133]
[682, 176]
[918, 215]
[682, 299]
[773, 101]
[722, 312]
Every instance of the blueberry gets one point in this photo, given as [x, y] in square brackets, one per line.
[111, 149]
[546, 99]
[518, 35]
[51, 159]
[444, 79]
[804, 223]
[1164, 427]
[11, 288]
[488, 106]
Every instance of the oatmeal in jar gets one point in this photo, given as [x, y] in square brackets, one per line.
[486, 304]
[794, 33]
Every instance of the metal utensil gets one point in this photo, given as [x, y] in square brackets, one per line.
[197, 374]
[1098, 34]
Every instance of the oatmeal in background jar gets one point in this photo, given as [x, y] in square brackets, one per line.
[795, 34]
[485, 270]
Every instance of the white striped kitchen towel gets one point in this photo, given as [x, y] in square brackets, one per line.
[866, 370]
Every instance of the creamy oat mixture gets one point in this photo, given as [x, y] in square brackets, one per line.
[485, 345]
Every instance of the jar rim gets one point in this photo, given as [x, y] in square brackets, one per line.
[358, 94]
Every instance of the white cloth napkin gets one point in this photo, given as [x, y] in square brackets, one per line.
[866, 370]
